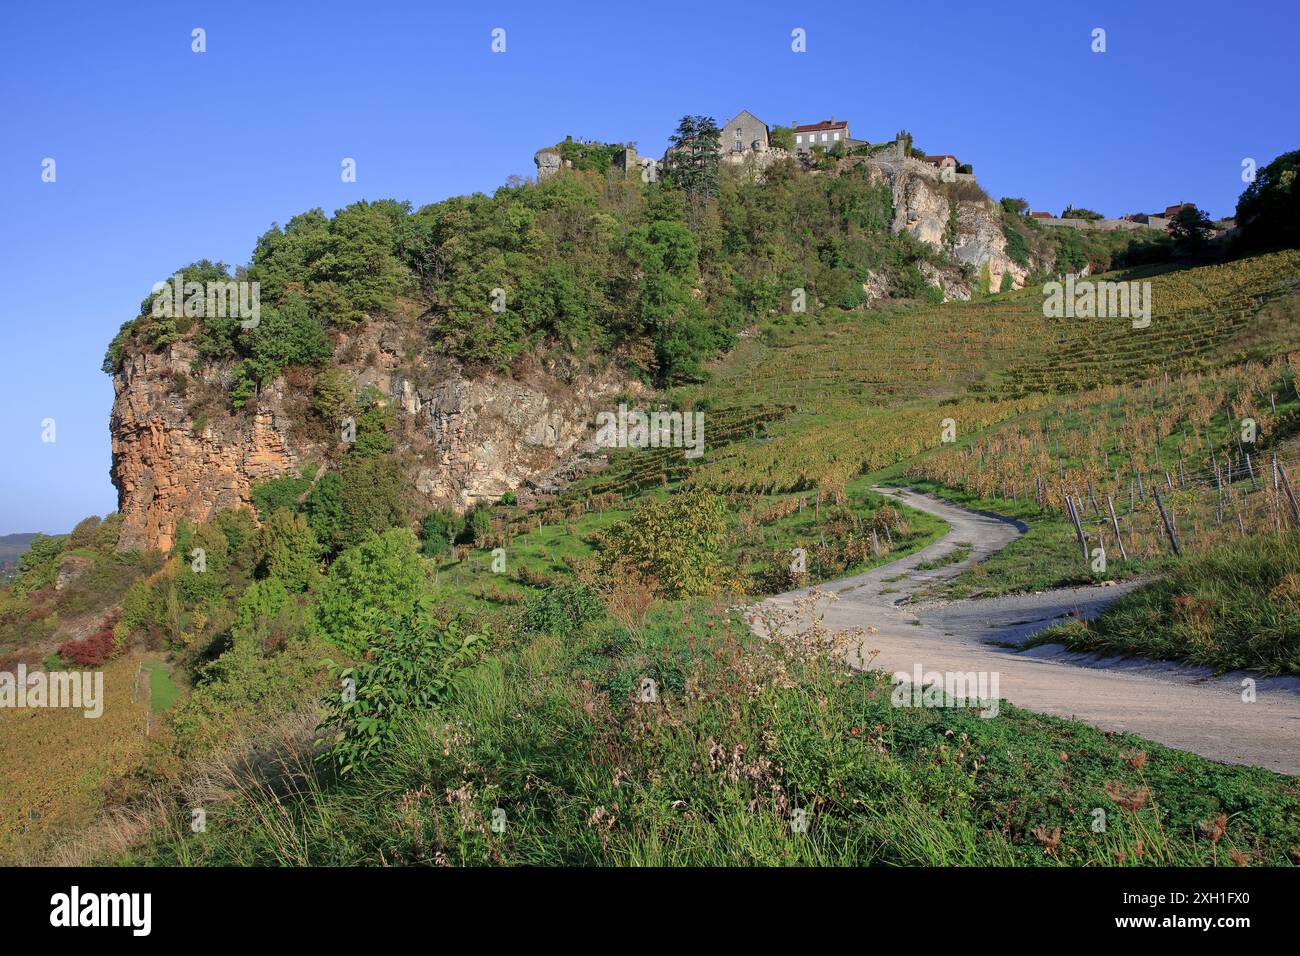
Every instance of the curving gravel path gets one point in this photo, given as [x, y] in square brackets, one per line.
[1184, 707]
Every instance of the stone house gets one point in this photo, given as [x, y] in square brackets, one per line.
[825, 134]
[942, 160]
[743, 135]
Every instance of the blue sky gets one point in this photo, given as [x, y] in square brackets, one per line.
[165, 156]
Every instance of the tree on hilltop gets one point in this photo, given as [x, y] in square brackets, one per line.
[693, 158]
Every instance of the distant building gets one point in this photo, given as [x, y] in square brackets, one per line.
[942, 160]
[1172, 211]
[743, 135]
[825, 134]
[1042, 215]
[630, 161]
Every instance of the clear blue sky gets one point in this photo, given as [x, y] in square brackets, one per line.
[165, 156]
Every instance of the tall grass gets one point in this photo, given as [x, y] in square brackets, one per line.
[744, 734]
[1236, 606]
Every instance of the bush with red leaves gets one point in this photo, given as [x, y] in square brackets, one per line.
[92, 650]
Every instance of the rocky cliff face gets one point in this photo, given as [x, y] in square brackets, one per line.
[166, 466]
[922, 208]
[468, 438]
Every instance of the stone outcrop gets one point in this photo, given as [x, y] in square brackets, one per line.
[922, 208]
[466, 438]
[548, 163]
[166, 467]
[71, 567]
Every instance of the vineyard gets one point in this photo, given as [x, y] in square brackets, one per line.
[1127, 441]
[1173, 466]
[1202, 318]
[1076, 417]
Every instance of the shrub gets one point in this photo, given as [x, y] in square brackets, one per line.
[477, 526]
[559, 609]
[677, 541]
[438, 530]
[380, 579]
[83, 535]
[265, 616]
[277, 493]
[93, 649]
[409, 669]
[38, 566]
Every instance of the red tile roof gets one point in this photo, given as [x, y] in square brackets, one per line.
[824, 124]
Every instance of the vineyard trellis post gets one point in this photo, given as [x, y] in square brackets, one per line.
[1169, 527]
[1115, 523]
[1290, 494]
[1078, 528]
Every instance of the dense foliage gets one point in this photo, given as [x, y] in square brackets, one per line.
[1268, 212]
[587, 261]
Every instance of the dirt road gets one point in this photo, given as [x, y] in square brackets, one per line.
[1184, 707]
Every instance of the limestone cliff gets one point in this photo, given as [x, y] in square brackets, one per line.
[924, 208]
[166, 467]
[468, 438]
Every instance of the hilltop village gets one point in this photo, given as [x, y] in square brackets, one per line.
[747, 142]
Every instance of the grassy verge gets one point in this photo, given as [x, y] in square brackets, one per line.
[162, 689]
[1044, 557]
[744, 742]
[1235, 607]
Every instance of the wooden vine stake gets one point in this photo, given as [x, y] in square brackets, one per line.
[1115, 524]
[1169, 527]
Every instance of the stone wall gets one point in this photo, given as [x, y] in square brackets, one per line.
[1102, 225]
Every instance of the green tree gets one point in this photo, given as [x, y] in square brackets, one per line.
[693, 158]
[781, 137]
[666, 254]
[380, 578]
[677, 541]
[1190, 228]
[324, 509]
[1072, 213]
[1268, 211]
[1014, 206]
[265, 616]
[289, 550]
[358, 269]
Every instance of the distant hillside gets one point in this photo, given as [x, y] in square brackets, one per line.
[11, 546]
